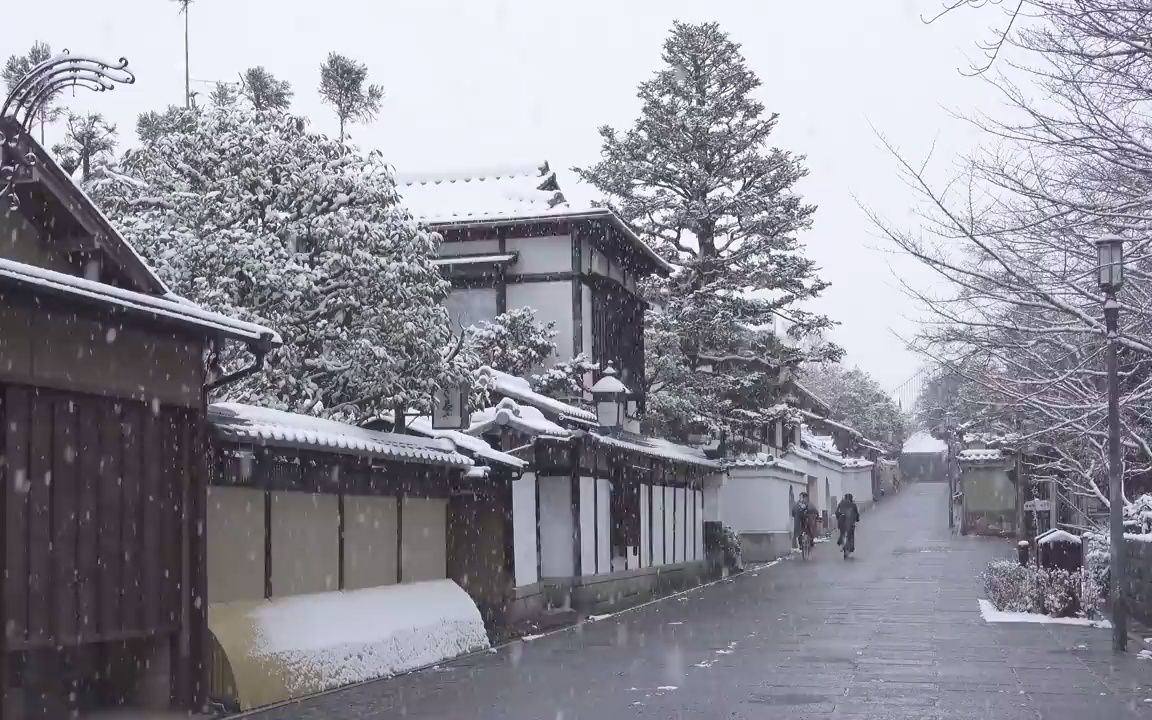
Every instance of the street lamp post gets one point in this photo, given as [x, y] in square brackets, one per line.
[1110, 253]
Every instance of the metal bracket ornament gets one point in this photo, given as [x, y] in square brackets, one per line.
[35, 90]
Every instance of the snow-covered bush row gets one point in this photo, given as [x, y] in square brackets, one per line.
[1012, 587]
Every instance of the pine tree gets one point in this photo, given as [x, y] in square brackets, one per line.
[513, 342]
[342, 86]
[87, 138]
[18, 66]
[151, 125]
[264, 91]
[254, 215]
[697, 177]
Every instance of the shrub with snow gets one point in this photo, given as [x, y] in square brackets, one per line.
[1010, 586]
[1059, 591]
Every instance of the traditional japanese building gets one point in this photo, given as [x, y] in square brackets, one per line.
[513, 239]
[103, 387]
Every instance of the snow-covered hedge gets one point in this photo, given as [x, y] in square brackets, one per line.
[1012, 587]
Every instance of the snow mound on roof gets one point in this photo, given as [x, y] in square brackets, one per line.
[508, 413]
[922, 442]
[326, 640]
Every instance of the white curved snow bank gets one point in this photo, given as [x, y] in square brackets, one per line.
[287, 647]
[922, 442]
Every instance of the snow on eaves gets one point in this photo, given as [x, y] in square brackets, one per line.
[980, 455]
[42, 280]
[657, 447]
[519, 390]
[248, 424]
[478, 447]
[486, 259]
[522, 418]
[493, 195]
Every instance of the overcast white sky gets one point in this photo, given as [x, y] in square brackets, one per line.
[484, 82]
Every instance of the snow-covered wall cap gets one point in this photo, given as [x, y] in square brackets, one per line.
[478, 447]
[761, 460]
[518, 389]
[980, 455]
[510, 414]
[1058, 536]
[250, 424]
[487, 195]
[179, 311]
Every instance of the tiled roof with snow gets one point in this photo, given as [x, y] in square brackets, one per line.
[1058, 536]
[478, 447]
[171, 309]
[488, 195]
[250, 424]
[518, 389]
[657, 447]
[980, 455]
[524, 418]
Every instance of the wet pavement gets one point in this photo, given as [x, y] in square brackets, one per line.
[893, 634]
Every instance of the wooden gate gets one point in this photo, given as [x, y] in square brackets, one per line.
[94, 526]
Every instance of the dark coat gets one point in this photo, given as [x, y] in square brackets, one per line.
[847, 514]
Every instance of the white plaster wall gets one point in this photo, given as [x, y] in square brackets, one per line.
[713, 507]
[699, 500]
[669, 525]
[369, 541]
[469, 247]
[645, 541]
[556, 527]
[423, 539]
[747, 498]
[586, 327]
[468, 306]
[683, 524]
[235, 539]
[541, 254]
[604, 525]
[587, 526]
[553, 304]
[524, 528]
[658, 525]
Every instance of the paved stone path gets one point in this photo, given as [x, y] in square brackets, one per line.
[893, 634]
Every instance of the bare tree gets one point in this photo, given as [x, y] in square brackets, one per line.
[1013, 237]
[342, 85]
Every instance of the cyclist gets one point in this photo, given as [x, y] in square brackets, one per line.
[847, 515]
[802, 518]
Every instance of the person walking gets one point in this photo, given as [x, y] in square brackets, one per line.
[847, 515]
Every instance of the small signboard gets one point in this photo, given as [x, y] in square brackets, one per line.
[1038, 505]
[449, 409]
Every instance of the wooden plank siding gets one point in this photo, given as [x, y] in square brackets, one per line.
[93, 509]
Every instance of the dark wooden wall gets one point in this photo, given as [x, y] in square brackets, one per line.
[95, 512]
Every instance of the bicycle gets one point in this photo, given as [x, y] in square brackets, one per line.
[805, 543]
